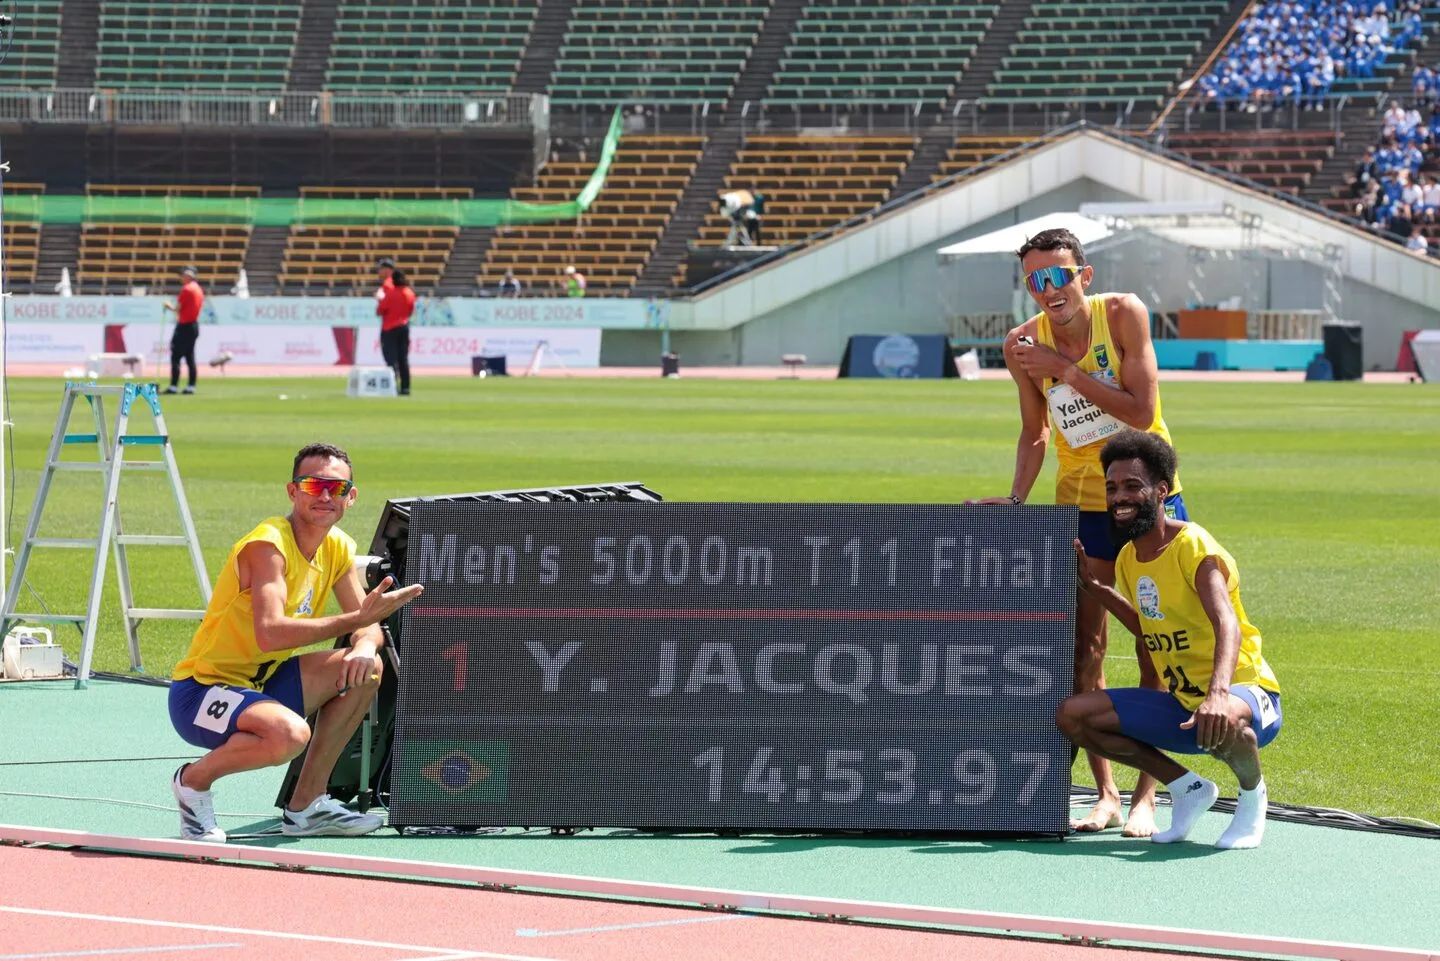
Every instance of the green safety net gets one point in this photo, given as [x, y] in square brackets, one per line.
[293, 211]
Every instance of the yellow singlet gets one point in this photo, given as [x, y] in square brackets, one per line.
[224, 649]
[1079, 428]
[1178, 635]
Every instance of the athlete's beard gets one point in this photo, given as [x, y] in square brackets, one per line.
[1147, 514]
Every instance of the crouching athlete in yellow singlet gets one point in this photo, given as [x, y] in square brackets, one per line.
[1084, 366]
[243, 691]
[1206, 688]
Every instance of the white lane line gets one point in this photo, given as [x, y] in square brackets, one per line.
[290, 935]
[532, 933]
[99, 951]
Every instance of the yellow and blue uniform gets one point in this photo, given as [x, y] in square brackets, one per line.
[225, 670]
[1080, 429]
[1180, 642]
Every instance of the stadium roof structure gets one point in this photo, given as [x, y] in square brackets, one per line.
[1206, 231]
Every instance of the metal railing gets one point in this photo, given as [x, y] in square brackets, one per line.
[692, 117]
[1049, 112]
[279, 109]
[1283, 115]
[853, 115]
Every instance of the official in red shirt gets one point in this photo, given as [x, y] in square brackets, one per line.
[397, 303]
[187, 329]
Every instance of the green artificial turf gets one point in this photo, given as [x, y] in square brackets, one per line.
[1323, 492]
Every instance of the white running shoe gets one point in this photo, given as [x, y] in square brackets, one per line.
[197, 812]
[326, 816]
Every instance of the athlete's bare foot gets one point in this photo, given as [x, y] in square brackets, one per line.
[1105, 814]
[1141, 822]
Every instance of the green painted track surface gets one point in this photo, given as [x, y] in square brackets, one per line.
[1305, 882]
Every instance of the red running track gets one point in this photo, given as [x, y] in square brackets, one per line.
[79, 904]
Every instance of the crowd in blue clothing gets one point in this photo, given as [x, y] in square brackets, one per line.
[1395, 185]
[1294, 50]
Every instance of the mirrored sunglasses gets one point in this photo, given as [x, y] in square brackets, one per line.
[1056, 277]
[315, 486]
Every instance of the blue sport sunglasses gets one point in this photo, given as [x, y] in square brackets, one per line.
[1056, 277]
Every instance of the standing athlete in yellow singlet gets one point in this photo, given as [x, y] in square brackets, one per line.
[243, 690]
[1206, 685]
[1085, 367]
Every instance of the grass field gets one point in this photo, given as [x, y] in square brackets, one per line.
[1323, 492]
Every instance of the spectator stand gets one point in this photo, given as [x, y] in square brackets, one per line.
[449, 46]
[179, 45]
[811, 184]
[116, 257]
[340, 259]
[1394, 189]
[1306, 54]
[22, 242]
[612, 240]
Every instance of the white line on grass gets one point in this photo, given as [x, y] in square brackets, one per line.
[448, 953]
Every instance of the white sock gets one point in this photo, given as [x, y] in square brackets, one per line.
[1190, 797]
[1248, 826]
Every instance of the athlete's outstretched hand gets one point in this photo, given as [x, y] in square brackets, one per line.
[1003, 501]
[379, 605]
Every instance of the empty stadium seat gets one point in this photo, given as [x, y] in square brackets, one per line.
[615, 237]
[811, 183]
[972, 150]
[341, 259]
[1284, 160]
[887, 49]
[22, 241]
[114, 257]
[183, 45]
[1084, 51]
[471, 46]
[30, 60]
[618, 50]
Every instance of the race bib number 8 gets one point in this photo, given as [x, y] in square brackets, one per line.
[1079, 421]
[216, 709]
[1267, 708]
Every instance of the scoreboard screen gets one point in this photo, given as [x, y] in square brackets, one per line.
[740, 666]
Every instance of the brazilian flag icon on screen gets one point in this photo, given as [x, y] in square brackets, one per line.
[453, 770]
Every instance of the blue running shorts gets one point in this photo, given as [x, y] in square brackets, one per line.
[205, 714]
[1154, 717]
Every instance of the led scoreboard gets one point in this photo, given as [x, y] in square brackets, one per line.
[741, 666]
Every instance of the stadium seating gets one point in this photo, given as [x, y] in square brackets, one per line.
[971, 150]
[1284, 160]
[1327, 50]
[182, 45]
[470, 46]
[1089, 51]
[1400, 175]
[614, 239]
[811, 183]
[117, 256]
[618, 50]
[22, 241]
[339, 259]
[30, 61]
[888, 49]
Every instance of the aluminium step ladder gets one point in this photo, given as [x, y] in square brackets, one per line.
[112, 537]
